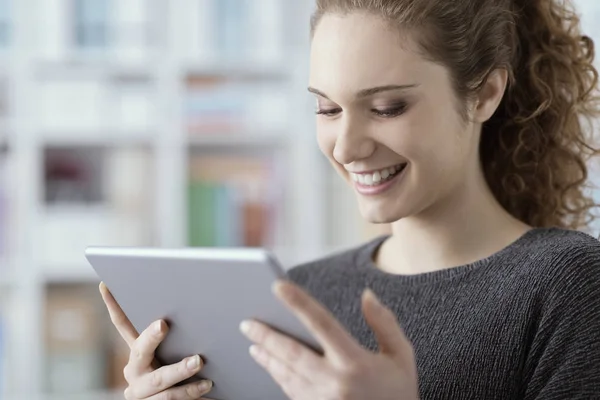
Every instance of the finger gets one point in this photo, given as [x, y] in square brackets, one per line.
[334, 339]
[293, 384]
[385, 326]
[118, 317]
[143, 348]
[289, 351]
[191, 391]
[165, 377]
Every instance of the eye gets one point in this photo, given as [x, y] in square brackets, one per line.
[328, 112]
[390, 112]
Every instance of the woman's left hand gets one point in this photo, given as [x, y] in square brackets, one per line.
[346, 370]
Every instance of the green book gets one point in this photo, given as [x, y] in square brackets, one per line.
[201, 214]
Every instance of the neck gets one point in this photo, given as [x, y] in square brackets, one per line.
[467, 226]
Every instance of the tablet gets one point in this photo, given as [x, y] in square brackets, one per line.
[203, 294]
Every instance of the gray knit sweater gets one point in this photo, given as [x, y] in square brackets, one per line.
[521, 324]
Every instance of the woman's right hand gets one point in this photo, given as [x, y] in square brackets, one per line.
[146, 379]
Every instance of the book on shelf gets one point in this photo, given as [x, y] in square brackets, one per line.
[73, 175]
[212, 105]
[232, 201]
[222, 105]
[118, 357]
[84, 351]
[75, 356]
[94, 195]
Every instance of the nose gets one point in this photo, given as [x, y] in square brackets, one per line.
[352, 143]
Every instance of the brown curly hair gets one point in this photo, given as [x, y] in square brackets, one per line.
[534, 150]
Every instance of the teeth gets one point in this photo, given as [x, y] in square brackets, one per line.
[378, 176]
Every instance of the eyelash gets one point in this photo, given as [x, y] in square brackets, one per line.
[387, 113]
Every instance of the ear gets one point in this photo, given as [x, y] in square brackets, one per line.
[490, 95]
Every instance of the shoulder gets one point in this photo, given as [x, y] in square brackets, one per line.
[337, 263]
[564, 353]
[565, 242]
[564, 263]
[564, 250]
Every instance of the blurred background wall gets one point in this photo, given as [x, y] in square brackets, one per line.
[148, 123]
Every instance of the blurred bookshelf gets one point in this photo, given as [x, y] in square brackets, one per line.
[140, 123]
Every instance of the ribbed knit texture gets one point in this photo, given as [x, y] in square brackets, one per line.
[523, 323]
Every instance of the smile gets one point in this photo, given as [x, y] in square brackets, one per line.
[377, 177]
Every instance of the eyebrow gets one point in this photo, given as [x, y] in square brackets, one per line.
[369, 91]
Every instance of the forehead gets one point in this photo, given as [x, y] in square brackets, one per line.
[358, 50]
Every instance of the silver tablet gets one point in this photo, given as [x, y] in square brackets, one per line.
[203, 294]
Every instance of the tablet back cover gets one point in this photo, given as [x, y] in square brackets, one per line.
[203, 294]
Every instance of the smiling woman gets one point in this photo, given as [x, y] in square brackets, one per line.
[462, 124]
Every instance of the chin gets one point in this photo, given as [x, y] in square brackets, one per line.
[379, 214]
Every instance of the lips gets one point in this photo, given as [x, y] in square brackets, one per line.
[377, 177]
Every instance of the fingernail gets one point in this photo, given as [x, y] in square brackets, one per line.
[245, 327]
[373, 297]
[254, 351]
[277, 286]
[204, 385]
[193, 362]
[157, 327]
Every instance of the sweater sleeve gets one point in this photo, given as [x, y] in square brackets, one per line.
[564, 357]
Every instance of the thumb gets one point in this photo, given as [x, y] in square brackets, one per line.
[383, 322]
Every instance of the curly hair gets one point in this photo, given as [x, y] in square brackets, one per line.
[535, 149]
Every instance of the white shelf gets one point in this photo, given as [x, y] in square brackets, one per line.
[65, 232]
[248, 140]
[105, 137]
[74, 274]
[87, 69]
[241, 70]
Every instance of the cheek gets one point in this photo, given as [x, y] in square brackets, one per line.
[409, 137]
[441, 156]
[435, 132]
[325, 139]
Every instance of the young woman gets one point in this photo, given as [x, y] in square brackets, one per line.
[463, 124]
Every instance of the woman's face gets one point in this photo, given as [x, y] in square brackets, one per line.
[387, 118]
